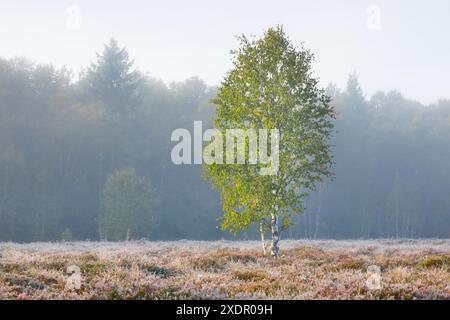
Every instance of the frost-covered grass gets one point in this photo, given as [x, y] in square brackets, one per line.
[307, 269]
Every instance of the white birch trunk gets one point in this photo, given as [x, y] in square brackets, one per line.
[263, 240]
[275, 249]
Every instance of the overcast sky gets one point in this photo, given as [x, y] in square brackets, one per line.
[401, 45]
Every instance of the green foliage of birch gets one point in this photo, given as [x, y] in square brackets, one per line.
[271, 87]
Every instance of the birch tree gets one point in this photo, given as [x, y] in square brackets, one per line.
[271, 87]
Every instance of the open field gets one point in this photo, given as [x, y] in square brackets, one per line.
[410, 269]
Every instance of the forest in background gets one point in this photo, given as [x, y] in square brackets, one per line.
[62, 138]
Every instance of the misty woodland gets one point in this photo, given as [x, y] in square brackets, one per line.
[88, 157]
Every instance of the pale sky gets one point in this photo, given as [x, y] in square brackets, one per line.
[401, 45]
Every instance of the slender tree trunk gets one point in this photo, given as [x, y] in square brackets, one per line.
[396, 221]
[263, 240]
[316, 230]
[275, 249]
[319, 210]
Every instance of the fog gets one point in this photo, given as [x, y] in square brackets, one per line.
[81, 125]
[391, 44]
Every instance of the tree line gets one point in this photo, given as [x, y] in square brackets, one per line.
[77, 152]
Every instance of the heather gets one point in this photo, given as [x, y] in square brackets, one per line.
[306, 269]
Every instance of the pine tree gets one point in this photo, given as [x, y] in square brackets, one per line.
[112, 80]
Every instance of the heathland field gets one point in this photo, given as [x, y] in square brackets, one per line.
[408, 269]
